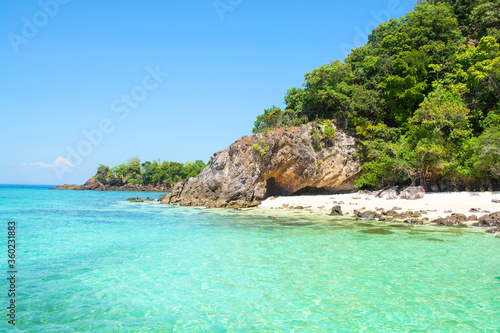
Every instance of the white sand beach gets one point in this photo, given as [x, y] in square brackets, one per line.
[435, 204]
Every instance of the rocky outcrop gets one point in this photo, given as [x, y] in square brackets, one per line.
[135, 200]
[336, 211]
[282, 162]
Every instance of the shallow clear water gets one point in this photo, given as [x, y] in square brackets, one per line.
[90, 261]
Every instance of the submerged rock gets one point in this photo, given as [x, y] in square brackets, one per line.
[378, 231]
[135, 200]
[282, 162]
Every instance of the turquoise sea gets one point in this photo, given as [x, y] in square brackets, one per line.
[91, 261]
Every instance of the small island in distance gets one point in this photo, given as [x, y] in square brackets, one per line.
[136, 176]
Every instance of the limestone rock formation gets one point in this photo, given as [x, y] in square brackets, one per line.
[285, 161]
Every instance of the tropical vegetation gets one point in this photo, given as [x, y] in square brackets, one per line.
[148, 173]
[423, 95]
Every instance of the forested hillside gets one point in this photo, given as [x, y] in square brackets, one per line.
[422, 94]
[148, 173]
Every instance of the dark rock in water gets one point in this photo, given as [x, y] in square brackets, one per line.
[391, 212]
[367, 214]
[361, 224]
[433, 239]
[454, 220]
[377, 231]
[135, 200]
[412, 193]
[149, 199]
[271, 217]
[406, 215]
[336, 211]
[281, 162]
[416, 221]
[295, 224]
[490, 220]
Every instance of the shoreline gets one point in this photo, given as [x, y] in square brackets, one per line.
[432, 206]
[123, 188]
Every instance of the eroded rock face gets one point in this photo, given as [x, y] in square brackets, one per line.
[281, 162]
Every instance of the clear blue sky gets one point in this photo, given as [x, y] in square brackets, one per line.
[70, 66]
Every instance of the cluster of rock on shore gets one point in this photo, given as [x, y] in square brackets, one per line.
[487, 220]
[136, 199]
[490, 220]
[477, 218]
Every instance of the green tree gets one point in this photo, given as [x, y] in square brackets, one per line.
[149, 169]
[102, 172]
[421, 93]
[438, 131]
[486, 160]
[274, 118]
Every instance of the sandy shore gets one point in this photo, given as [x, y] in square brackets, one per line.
[434, 204]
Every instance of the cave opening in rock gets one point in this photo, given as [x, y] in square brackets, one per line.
[273, 188]
[309, 190]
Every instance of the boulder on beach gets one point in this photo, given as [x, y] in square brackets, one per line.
[412, 193]
[389, 194]
[336, 211]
